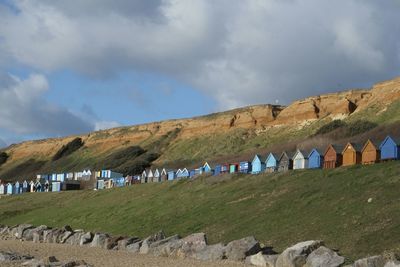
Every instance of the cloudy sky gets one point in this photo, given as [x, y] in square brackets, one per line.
[74, 66]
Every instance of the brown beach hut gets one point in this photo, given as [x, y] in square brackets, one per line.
[370, 153]
[333, 157]
[351, 154]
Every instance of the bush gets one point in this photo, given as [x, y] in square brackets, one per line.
[68, 149]
[3, 158]
[329, 127]
[359, 127]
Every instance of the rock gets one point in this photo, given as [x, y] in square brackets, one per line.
[144, 249]
[86, 238]
[324, 257]
[20, 230]
[238, 250]
[99, 240]
[75, 238]
[134, 247]
[164, 247]
[210, 253]
[392, 263]
[112, 242]
[67, 228]
[260, 259]
[80, 263]
[191, 244]
[374, 261]
[10, 256]
[123, 243]
[28, 234]
[64, 236]
[296, 256]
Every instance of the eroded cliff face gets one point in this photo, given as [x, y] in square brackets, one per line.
[336, 105]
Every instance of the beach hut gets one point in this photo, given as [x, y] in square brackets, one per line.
[38, 187]
[143, 178]
[333, 157]
[32, 186]
[390, 149]
[234, 167]
[171, 175]
[206, 168]
[351, 154]
[100, 184]
[245, 167]
[25, 187]
[285, 162]
[163, 175]
[17, 188]
[2, 189]
[150, 176]
[257, 165]
[315, 159]
[198, 171]
[10, 189]
[192, 173]
[271, 163]
[156, 176]
[370, 153]
[118, 182]
[217, 170]
[225, 168]
[182, 174]
[300, 160]
[55, 186]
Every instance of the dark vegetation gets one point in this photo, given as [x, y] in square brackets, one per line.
[346, 129]
[3, 157]
[23, 170]
[331, 126]
[68, 149]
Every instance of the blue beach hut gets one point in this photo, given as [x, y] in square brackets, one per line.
[17, 188]
[258, 165]
[271, 163]
[206, 168]
[171, 175]
[245, 167]
[10, 189]
[315, 159]
[217, 170]
[390, 149]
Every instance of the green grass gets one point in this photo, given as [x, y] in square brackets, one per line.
[279, 209]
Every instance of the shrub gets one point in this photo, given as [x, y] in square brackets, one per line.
[359, 127]
[3, 158]
[329, 127]
[68, 149]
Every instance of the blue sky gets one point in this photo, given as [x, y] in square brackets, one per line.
[71, 67]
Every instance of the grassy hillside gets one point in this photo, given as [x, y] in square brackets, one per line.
[279, 209]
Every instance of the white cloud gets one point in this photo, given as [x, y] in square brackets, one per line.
[24, 110]
[238, 52]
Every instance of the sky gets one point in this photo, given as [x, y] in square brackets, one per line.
[71, 67]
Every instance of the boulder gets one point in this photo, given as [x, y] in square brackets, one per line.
[144, 248]
[20, 230]
[190, 244]
[10, 256]
[75, 238]
[112, 242]
[86, 238]
[296, 256]
[134, 247]
[99, 240]
[324, 257]
[67, 228]
[28, 234]
[164, 247]
[260, 259]
[123, 243]
[238, 250]
[374, 261]
[64, 236]
[75, 263]
[392, 263]
[210, 253]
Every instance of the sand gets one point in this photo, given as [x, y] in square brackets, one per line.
[99, 257]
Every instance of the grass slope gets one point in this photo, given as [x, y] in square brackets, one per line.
[279, 209]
